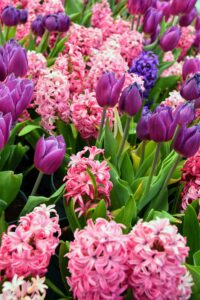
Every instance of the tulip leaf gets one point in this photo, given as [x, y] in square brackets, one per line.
[196, 258]
[63, 262]
[34, 201]
[191, 230]
[71, 215]
[54, 288]
[3, 224]
[110, 144]
[195, 272]
[27, 129]
[100, 211]
[152, 215]
[72, 7]
[11, 156]
[3, 206]
[9, 186]
[127, 172]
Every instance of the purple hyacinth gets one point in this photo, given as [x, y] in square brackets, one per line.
[146, 65]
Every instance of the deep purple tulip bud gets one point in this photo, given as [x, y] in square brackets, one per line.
[142, 126]
[134, 7]
[187, 19]
[63, 22]
[165, 8]
[187, 141]
[131, 100]
[3, 67]
[145, 4]
[185, 114]
[191, 88]
[162, 125]
[10, 16]
[49, 154]
[152, 18]
[5, 127]
[197, 24]
[108, 89]
[15, 95]
[180, 6]
[23, 16]
[37, 26]
[51, 22]
[191, 66]
[196, 42]
[170, 39]
[155, 35]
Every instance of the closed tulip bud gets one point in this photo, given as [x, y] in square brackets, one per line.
[165, 8]
[162, 125]
[10, 16]
[196, 42]
[187, 19]
[3, 67]
[170, 39]
[23, 16]
[63, 22]
[185, 114]
[191, 66]
[108, 89]
[187, 141]
[51, 22]
[142, 129]
[191, 88]
[155, 35]
[37, 26]
[131, 100]
[15, 58]
[15, 95]
[197, 24]
[145, 4]
[134, 7]
[180, 6]
[152, 18]
[5, 127]
[49, 154]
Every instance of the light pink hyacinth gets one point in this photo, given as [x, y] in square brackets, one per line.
[190, 193]
[86, 114]
[186, 40]
[156, 254]
[80, 185]
[97, 262]
[52, 98]
[19, 289]
[174, 100]
[37, 65]
[26, 249]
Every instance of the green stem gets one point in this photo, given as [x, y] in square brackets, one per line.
[175, 136]
[132, 24]
[125, 135]
[7, 29]
[142, 153]
[103, 116]
[2, 39]
[37, 183]
[138, 22]
[51, 54]
[153, 168]
[44, 42]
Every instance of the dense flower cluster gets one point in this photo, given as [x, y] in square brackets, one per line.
[26, 249]
[174, 100]
[80, 183]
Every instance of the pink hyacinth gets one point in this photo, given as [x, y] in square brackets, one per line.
[26, 249]
[97, 262]
[52, 98]
[86, 114]
[156, 254]
[79, 183]
[186, 40]
[19, 289]
[174, 100]
[37, 65]
[191, 168]
[175, 69]
[190, 193]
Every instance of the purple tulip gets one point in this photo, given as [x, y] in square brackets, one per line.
[152, 18]
[5, 127]
[142, 126]
[63, 22]
[108, 89]
[10, 16]
[182, 6]
[185, 114]
[37, 26]
[155, 35]
[170, 39]
[196, 42]
[162, 124]
[191, 66]
[197, 24]
[165, 8]
[187, 141]
[145, 4]
[15, 95]
[187, 19]
[131, 100]
[23, 16]
[191, 88]
[49, 154]
[134, 7]
[51, 22]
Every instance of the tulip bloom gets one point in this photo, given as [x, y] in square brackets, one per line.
[131, 100]
[134, 7]
[142, 129]
[51, 22]
[15, 95]
[182, 6]
[187, 19]
[191, 88]
[5, 127]
[108, 89]
[170, 39]
[37, 26]
[152, 18]
[49, 154]
[23, 16]
[63, 22]
[10, 16]
[196, 42]
[185, 114]
[191, 66]
[187, 141]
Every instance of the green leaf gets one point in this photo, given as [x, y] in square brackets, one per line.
[127, 214]
[63, 262]
[71, 215]
[73, 7]
[100, 211]
[152, 215]
[195, 272]
[9, 186]
[11, 156]
[42, 47]
[54, 288]
[3, 223]
[196, 258]
[127, 172]
[191, 230]
[28, 129]
[110, 144]
[34, 201]
[58, 48]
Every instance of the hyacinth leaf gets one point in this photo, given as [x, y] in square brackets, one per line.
[27, 129]
[11, 156]
[63, 262]
[110, 144]
[58, 48]
[196, 258]
[73, 220]
[87, 19]
[69, 133]
[120, 6]
[10, 184]
[127, 172]
[100, 211]
[152, 215]
[129, 295]
[3, 206]
[195, 272]
[112, 4]
[54, 288]
[3, 224]
[34, 201]
[177, 174]
[191, 230]
[72, 7]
